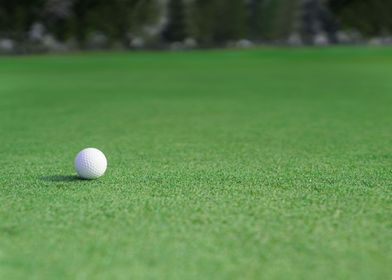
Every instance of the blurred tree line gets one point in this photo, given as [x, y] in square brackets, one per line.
[76, 19]
[370, 17]
[206, 22]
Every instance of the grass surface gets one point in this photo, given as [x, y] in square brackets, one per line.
[270, 164]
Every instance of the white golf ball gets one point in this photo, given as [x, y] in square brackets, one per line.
[90, 163]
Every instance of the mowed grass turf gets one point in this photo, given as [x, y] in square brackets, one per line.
[273, 164]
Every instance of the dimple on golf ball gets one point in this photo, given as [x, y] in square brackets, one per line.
[90, 163]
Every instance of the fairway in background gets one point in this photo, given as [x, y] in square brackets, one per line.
[268, 163]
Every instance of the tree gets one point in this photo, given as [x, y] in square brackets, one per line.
[80, 9]
[214, 22]
[56, 16]
[370, 17]
[115, 18]
[176, 27]
[278, 18]
[316, 18]
[17, 16]
[254, 9]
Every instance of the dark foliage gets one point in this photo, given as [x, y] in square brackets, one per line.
[316, 17]
[176, 28]
[210, 22]
[76, 18]
[370, 17]
[216, 22]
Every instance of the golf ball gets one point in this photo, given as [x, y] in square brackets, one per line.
[90, 163]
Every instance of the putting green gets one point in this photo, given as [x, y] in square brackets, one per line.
[266, 163]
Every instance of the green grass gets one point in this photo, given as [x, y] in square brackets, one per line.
[273, 164]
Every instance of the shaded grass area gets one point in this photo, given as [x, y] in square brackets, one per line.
[222, 164]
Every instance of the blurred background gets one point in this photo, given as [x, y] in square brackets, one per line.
[39, 26]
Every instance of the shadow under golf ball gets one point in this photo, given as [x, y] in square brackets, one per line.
[62, 178]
